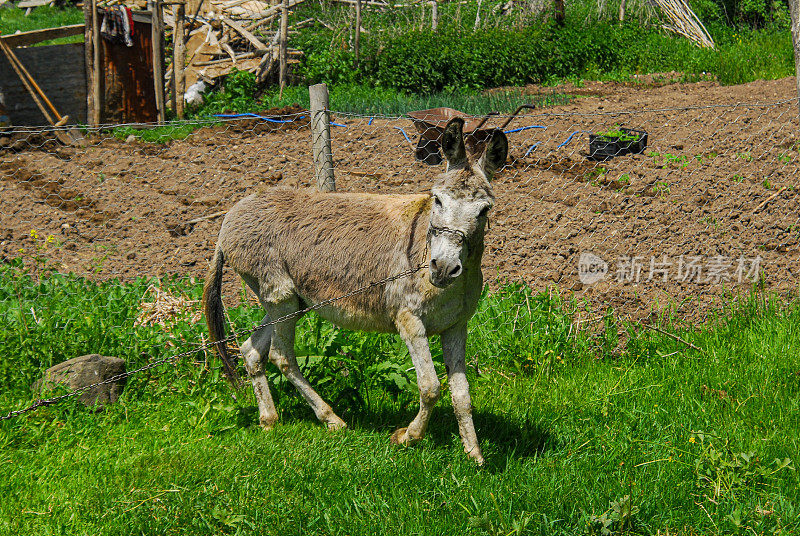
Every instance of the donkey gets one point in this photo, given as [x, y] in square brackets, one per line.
[299, 248]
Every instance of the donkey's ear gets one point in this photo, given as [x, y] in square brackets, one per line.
[453, 143]
[495, 155]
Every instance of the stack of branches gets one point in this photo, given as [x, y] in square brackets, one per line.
[223, 35]
[683, 21]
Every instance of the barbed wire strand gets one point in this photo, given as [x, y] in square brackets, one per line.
[230, 338]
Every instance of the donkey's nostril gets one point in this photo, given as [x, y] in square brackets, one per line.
[455, 272]
[433, 264]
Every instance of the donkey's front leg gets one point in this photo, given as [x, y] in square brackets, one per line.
[454, 345]
[412, 331]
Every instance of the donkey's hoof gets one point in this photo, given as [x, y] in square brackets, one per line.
[267, 424]
[401, 437]
[335, 424]
[478, 460]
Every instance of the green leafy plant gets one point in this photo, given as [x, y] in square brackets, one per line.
[615, 133]
[723, 472]
[620, 518]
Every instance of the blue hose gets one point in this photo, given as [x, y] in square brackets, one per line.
[565, 142]
[268, 119]
[531, 148]
[520, 129]
[405, 135]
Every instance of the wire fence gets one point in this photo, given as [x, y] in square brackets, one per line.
[706, 211]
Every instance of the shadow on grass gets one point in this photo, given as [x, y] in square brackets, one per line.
[501, 438]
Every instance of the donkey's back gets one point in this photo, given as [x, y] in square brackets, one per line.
[320, 246]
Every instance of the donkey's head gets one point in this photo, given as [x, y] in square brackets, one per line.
[462, 197]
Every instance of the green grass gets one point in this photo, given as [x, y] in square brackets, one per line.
[571, 422]
[13, 19]
[178, 130]
[381, 101]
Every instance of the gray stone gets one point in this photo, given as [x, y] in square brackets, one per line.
[83, 371]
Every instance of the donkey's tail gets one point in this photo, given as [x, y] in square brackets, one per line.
[215, 311]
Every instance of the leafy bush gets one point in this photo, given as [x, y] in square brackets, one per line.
[237, 95]
[453, 59]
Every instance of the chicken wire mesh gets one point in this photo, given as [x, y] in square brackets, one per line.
[706, 211]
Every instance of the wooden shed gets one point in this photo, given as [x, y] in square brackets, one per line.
[99, 81]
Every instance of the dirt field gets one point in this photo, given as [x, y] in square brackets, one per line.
[715, 189]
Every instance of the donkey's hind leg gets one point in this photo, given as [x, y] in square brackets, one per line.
[255, 350]
[282, 355]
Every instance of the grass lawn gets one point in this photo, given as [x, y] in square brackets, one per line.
[620, 428]
[13, 19]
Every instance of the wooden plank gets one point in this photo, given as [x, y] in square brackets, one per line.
[244, 33]
[25, 4]
[274, 10]
[23, 39]
[215, 71]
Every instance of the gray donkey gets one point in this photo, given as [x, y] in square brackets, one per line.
[298, 248]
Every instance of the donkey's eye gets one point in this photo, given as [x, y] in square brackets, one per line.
[437, 201]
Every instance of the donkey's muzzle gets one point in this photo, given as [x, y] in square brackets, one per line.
[443, 273]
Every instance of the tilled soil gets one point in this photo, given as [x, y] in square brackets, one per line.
[679, 226]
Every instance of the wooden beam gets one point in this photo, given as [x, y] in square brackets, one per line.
[794, 13]
[27, 4]
[244, 33]
[357, 44]
[273, 10]
[157, 28]
[283, 42]
[99, 72]
[23, 39]
[88, 61]
[179, 59]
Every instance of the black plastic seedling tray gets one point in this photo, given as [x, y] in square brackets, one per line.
[603, 147]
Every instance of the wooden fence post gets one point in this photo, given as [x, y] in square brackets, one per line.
[794, 11]
[321, 137]
[157, 34]
[97, 99]
[283, 43]
[434, 15]
[179, 59]
[88, 60]
[357, 44]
